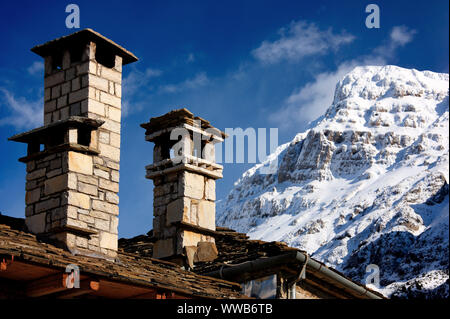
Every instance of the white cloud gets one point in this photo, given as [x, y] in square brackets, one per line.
[399, 37]
[311, 100]
[199, 80]
[35, 68]
[135, 81]
[130, 107]
[23, 114]
[298, 40]
[190, 58]
[138, 89]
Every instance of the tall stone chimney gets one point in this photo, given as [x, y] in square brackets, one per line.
[184, 174]
[72, 180]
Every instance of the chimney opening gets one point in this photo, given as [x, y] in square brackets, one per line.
[105, 57]
[54, 140]
[57, 62]
[84, 137]
[166, 151]
[76, 54]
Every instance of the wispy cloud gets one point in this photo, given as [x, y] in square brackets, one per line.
[298, 40]
[199, 80]
[190, 58]
[398, 37]
[137, 79]
[36, 68]
[139, 89]
[21, 112]
[132, 84]
[401, 35]
[311, 100]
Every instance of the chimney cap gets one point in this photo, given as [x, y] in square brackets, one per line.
[42, 132]
[81, 37]
[175, 118]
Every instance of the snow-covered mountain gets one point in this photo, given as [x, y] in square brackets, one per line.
[367, 183]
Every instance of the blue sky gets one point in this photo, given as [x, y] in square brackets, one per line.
[257, 64]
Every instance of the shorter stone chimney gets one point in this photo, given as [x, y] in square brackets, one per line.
[73, 161]
[184, 174]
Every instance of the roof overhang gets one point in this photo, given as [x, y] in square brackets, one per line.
[80, 38]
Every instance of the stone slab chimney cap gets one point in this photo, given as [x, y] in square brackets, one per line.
[175, 118]
[84, 36]
[39, 133]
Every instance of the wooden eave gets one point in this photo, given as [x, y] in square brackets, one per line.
[29, 263]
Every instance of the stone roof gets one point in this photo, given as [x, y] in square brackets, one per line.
[236, 248]
[135, 265]
[128, 268]
[233, 248]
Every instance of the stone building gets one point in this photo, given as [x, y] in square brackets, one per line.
[69, 236]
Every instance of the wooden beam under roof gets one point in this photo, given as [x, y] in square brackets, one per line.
[147, 295]
[87, 286]
[57, 283]
[38, 281]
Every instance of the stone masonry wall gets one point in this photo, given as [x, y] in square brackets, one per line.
[86, 88]
[75, 189]
[182, 196]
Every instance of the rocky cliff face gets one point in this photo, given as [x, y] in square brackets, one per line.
[367, 183]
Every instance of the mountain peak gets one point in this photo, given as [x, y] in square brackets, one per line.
[385, 96]
[370, 176]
